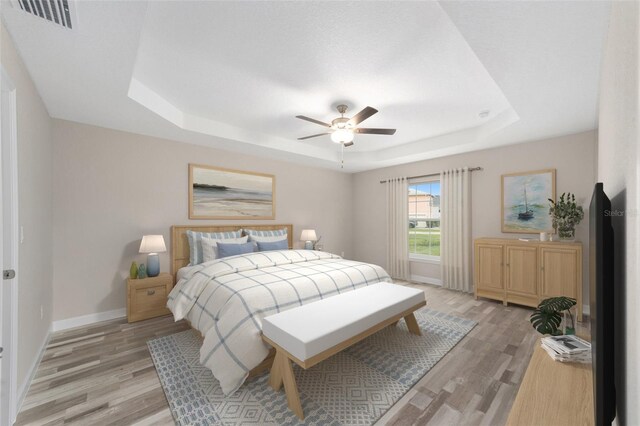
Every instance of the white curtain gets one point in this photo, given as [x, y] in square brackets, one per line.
[455, 229]
[398, 228]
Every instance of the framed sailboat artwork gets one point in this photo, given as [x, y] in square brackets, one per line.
[525, 205]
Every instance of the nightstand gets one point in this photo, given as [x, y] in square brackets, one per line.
[147, 297]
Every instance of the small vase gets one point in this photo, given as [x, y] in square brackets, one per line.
[566, 234]
[142, 271]
[133, 271]
[569, 321]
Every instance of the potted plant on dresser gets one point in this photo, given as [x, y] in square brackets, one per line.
[566, 214]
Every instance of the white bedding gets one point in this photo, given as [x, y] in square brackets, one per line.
[187, 270]
[227, 298]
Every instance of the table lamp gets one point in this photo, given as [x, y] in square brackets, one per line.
[308, 236]
[153, 244]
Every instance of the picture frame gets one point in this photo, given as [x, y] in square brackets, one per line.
[524, 201]
[228, 194]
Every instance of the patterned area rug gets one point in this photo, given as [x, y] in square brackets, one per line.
[354, 387]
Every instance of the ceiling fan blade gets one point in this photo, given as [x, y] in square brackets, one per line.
[348, 144]
[376, 131]
[314, 136]
[362, 115]
[313, 120]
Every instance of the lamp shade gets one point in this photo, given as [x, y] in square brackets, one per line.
[308, 235]
[342, 136]
[152, 244]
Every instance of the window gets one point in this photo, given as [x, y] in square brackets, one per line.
[424, 220]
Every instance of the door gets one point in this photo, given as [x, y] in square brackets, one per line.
[488, 271]
[521, 275]
[559, 272]
[8, 250]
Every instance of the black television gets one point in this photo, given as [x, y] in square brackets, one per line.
[601, 304]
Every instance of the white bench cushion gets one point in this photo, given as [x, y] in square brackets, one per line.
[310, 329]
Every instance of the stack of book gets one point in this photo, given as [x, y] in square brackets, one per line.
[567, 348]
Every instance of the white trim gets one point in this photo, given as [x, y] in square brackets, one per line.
[423, 258]
[10, 341]
[68, 323]
[426, 280]
[24, 387]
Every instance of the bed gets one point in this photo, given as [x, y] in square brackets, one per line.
[226, 299]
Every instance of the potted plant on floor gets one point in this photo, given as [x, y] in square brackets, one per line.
[566, 214]
[548, 316]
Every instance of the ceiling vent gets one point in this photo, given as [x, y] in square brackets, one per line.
[57, 12]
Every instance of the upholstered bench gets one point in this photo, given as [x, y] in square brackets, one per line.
[311, 333]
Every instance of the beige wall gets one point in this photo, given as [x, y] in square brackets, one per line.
[573, 156]
[618, 169]
[112, 187]
[35, 212]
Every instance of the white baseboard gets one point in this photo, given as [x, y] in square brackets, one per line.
[24, 387]
[74, 322]
[426, 280]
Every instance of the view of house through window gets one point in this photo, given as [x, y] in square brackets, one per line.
[424, 219]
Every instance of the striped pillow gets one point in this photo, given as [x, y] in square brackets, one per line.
[257, 233]
[195, 242]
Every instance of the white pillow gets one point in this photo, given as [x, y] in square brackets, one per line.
[210, 246]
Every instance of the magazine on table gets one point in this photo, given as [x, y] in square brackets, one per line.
[567, 348]
[567, 344]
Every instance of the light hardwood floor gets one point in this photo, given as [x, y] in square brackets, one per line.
[103, 374]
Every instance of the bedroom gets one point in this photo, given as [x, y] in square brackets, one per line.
[110, 113]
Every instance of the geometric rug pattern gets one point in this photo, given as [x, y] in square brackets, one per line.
[354, 387]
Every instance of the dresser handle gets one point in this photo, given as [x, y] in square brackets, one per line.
[151, 292]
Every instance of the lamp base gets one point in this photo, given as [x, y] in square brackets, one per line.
[153, 265]
[308, 245]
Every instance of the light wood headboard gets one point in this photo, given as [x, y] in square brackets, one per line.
[180, 244]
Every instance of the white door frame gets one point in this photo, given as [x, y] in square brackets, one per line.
[9, 170]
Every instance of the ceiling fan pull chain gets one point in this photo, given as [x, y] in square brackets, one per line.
[342, 155]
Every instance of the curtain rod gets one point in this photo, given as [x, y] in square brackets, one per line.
[471, 169]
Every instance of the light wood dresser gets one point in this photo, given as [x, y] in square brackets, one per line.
[553, 393]
[147, 297]
[527, 272]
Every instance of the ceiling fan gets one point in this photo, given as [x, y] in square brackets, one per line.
[342, 129]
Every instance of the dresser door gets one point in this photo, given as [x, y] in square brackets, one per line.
[488, 272]
[559, 272]
[521, 275]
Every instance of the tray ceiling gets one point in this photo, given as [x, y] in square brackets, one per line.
[233, 75]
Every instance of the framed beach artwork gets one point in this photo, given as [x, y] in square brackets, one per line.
[525, 201]
[216, 193]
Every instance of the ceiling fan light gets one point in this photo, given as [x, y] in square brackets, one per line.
[342, 136]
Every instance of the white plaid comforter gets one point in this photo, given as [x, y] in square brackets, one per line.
[226, 300]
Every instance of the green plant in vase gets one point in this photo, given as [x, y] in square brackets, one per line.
[566, 214]
[548, 315]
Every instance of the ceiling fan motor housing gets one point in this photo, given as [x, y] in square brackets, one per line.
[341, 123]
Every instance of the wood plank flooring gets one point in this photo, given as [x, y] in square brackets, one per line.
[103, 373]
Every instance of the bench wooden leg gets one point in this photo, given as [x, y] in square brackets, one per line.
[290, 387]
[412, 324]
[275, 375]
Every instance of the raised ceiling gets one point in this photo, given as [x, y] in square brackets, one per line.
[234, 74]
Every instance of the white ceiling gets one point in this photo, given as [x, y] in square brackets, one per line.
[233, 75]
